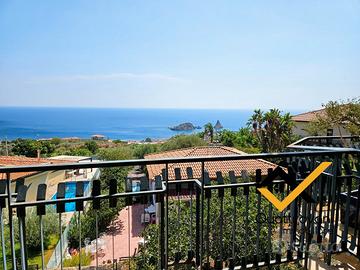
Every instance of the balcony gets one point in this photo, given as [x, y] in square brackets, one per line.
[187, 217]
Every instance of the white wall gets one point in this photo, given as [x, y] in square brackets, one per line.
[300, 129]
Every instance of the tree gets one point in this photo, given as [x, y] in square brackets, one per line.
[272, 129]
[339, 115]
[182, 141]
[227, 138]
[119, 173]
[29, 148]
[140, 150]
[92, 146]
[50, 227]
[242, 140]
[209, 131]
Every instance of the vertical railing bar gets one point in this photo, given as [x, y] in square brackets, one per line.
[347, 214]
[258, 179]
[202, 215]
[281, 189]
[246, 251]
[162, 231]
[178, 249]
[303, 228]
[314, 196]
[320, 218]
[207, 243]
[129, 241]
[61, 243]
[233, 229]
[329, 188]
[191, 219]
[167, 216]
[8, 186]
[2, 239]
[22, 242]
[97, 237]
[309, 222]
[293, 213]
[42, 242]
[337, 209]
[221, 229]
[308, 230]
[356, 228]
[79, 218]
[292, 241]
[333, 202]
[357, 231]
[113, 242]
[328, 206]
[198, 226]
[269, 221]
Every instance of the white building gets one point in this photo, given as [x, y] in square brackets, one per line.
[302, 121]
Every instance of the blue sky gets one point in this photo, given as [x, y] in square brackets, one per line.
[179, 54]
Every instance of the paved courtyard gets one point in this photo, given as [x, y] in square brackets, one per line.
[117, 244]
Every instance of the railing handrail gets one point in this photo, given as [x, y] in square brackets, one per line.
[133, 162]
[297, 145]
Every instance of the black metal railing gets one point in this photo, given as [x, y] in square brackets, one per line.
[207, 223]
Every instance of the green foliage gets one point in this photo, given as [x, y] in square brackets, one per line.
[182, 141]
[242, 139]
[118, 153]
[140, 150]
[119, 173]
[272, 129]
[29, 148]
[32, 228]
[180, 236]
[119, 142]
[56, 141]
[209, 131]
[32, 224]
[91, 146]
[337, 114]
[79, 152]
[75, 260]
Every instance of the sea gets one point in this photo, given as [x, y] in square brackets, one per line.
[121, 124]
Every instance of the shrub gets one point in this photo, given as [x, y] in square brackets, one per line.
[74, 260]
[182, 141]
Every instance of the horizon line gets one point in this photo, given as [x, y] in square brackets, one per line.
[154, 108]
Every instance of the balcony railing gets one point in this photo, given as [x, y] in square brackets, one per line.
[222, 223]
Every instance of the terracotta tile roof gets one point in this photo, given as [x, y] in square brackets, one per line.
[308, 116]
[212, 167]
[23, 161]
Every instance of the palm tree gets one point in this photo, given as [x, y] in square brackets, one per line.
[209, 131]
[272, 129]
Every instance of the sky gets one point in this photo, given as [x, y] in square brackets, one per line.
[179, 54]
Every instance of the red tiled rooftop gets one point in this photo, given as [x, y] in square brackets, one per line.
[24, 161]
[308, 116]
[212, 167]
